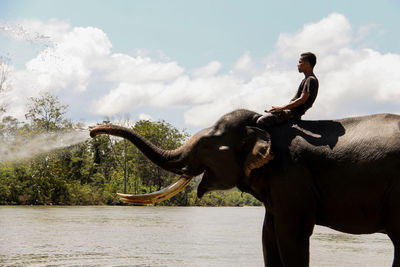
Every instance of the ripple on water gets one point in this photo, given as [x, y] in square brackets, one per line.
[159, 236]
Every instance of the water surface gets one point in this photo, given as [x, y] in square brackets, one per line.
[155, 236]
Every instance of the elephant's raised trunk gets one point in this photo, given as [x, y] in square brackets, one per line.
[171, 160]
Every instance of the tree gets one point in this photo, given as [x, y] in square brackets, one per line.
[103, 156]
[4, 82]
[8, 128]
[163, 135]
[46, 113]
[47, 183]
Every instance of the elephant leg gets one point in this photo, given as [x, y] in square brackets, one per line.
[270, 247]
[392, 224]
[396, 260]
[294, 242]
[395, 237]
[393, 231]
[294, 209]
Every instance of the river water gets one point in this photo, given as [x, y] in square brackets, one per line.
[158, 236]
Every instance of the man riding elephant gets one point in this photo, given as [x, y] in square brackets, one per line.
[301, 102]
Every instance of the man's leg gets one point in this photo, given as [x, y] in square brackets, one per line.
[267, 120]
[270, 119]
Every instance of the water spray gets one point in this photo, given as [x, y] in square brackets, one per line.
[30, 147]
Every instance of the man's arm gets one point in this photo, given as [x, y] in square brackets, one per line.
[293, 104]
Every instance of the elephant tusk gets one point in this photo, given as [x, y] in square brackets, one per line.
[158, 196]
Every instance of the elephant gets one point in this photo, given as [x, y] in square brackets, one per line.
[343, 174]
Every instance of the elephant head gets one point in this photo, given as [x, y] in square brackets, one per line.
[225, 154]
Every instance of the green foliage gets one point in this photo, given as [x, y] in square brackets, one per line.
[231, 197]
[94, 171]
[8, 128]
[46, 113]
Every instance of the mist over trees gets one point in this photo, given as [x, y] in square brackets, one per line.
[93, 171]
[4, 83]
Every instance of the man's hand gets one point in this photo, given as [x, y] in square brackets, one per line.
[293, 104]
[276, 109]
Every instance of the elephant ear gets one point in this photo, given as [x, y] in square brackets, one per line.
[257, 146]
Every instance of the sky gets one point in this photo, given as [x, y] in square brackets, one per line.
[189, 62]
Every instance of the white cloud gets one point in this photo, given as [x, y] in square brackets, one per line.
[322, 38]
[146, 117]
[210, 69]
[140, 69]
[79, 65]
[126, 97]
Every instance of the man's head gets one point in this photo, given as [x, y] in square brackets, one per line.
[307, 62]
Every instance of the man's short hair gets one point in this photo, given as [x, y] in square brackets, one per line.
[310, 57]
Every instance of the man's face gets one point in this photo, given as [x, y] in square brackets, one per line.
[303, 65]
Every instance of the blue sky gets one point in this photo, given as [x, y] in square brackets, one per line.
[196, 32]
[232, 49]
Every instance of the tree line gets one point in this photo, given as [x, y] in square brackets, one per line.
[93, 171]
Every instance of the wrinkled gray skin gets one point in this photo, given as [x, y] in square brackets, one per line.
[343, 174]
